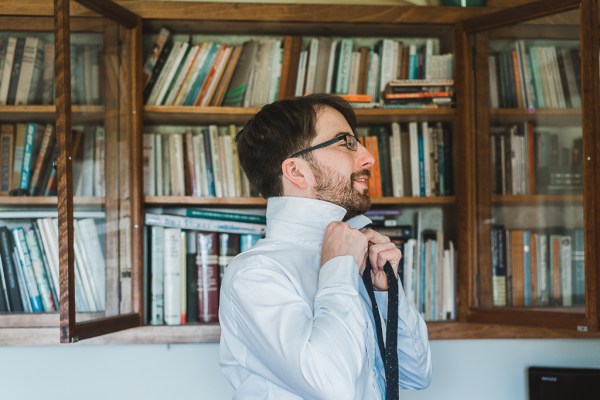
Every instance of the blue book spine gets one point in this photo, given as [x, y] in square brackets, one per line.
[27, 156]
[247, 241]
[421, 166]
[209, 166]
[206, 67]
[27, 268]
[578, 267]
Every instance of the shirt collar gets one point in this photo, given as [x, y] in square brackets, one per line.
[305, 219]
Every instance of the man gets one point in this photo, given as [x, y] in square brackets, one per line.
[296, 319]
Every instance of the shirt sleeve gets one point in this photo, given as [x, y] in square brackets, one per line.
[314, 349]
[414, 353]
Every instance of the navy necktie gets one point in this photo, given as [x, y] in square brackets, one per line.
[389, 351]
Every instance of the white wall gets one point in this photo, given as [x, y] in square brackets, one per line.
[463, 369]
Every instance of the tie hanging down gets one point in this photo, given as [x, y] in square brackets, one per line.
[389, 352]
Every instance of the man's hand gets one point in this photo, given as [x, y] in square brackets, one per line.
[341, 240]
[381, 250]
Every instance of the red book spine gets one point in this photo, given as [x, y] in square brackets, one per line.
[207, 261]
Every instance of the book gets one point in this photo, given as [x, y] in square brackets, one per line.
[203, 224]
[208, 276]
[32, 66]
[9, 267]
[289, 65]
[42, 161]
[234, 96]
[16, 71]
[29, 154]
[158, 67]
[159, 44]
[7, 151]
[35, 300]
[157, 257]
[229, 247]
[172, 276]
[219, 215]
[8, 60]
[499, 277]
[191, 278]
[91, 245]
[39, 270]
[48, 74]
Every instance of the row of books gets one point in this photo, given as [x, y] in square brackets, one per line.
[355, 66]
[181, 71]
[186, 265]
[28, 156]
[428, 266]
[29, 266]
[537, 267]
[412, 159]
[527, 160]
[27, 71]
[201, 161]
[535, 76]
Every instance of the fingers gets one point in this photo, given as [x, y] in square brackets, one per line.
[341, 240]
[381, 253]
[374, 236]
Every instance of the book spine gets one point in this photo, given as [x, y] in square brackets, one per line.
[157, 257]
[201, 224]
[41, 162]
[27, 156]
[208, 276]
[10, 271]
[7, 144]
[172, 276]
[39, 271]
[225, 216]
[24, 258]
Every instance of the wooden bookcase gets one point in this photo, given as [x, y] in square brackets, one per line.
[463, 212]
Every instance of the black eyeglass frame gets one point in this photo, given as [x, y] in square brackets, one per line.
[351, 144]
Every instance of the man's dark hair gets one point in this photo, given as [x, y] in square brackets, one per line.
[279, 130]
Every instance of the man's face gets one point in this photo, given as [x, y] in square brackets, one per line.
[341, 175]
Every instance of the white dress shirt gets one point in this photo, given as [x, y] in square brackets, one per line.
[291, 329]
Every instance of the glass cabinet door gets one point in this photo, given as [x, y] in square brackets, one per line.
[529, 239]
[99, 200]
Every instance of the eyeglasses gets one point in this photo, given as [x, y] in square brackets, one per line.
[350, 141]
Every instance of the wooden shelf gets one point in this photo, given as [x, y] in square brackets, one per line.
[180, 115]
[554, 117]
[47, 113]
[533, 199]
[210, 333]
[33, 201]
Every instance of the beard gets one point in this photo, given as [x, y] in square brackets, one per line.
[334, 188]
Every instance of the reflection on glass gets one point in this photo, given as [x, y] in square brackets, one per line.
[534, 226]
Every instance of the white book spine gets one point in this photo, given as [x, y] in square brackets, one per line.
[11, 45]
[90, 238]
[396, 161]
[202, 224]
[157, 252]
[313, 51]
[172, 276]
[301, 73]
[149, 165]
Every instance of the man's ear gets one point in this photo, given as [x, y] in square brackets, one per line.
[293, 171]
